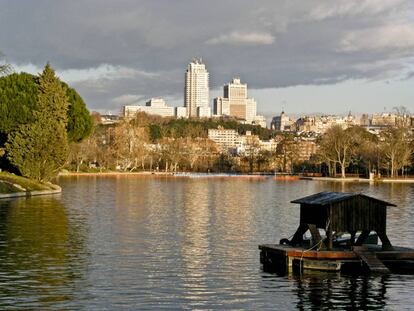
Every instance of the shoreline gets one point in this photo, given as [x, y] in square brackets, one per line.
[164, 175]
[360, 180]
[229, 175]
[14, 186]
[28, 194]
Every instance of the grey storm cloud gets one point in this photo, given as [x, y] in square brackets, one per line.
[119, 51]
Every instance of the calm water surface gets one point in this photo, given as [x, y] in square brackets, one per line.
[133, 243]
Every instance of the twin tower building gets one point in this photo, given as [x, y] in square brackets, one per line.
[234, 102]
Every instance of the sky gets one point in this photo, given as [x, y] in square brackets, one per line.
[300, 56]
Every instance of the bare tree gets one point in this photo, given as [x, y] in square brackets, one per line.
[338, 146]
[401, 110]
[396, 149]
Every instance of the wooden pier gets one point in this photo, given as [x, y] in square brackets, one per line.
[370, 258]
[337, 213]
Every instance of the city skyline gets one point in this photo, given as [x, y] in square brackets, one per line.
[299, 57]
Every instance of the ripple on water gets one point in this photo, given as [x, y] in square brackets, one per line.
[140, 243]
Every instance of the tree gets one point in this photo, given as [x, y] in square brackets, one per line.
[80, 123]
[4, 68]
[251, 150]
[367, 149]
[39, 149]
[338, 146]
[18, 100]
[130, 145]
[287, 151]
[396, 149]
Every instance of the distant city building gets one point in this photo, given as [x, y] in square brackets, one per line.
[306, 124]
[391, 119]
[181, 112]
[259, 120]
[155, 106]
[235, 103]
[204, 112]
[384, 119]
[196, 89]
[224, 138]
[282, 123]
[365, 121]
[305, 149]
[109, 119]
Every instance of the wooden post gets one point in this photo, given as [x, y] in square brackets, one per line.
[362, 237]
[298, 237]
[329, 237]
[329, 229]
[386, 244]
[353, 233]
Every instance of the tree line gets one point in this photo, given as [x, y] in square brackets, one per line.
[154, 143]
[389, 153]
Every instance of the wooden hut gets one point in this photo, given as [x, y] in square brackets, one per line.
[340, 212]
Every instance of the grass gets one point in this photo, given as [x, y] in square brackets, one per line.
[6, 187]
[7, 181]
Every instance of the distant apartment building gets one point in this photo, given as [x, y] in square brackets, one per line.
[391, 119]
[319, 124]
[224, 138]
[305, 149]
[236, 104]
[384, 119]
[296, 150]
[259, 120]
[228, 140]
[248, 144]
[155, 106]
[196, 89]
[181, 112]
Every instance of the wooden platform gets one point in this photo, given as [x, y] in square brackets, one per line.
[368, 258]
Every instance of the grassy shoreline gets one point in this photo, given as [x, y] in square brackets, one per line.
[13, 186]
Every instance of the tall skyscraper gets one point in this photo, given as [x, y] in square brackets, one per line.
[235, 102]
[196, 92]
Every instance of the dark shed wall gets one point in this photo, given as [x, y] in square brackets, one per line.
[356, 213]
[314, 214]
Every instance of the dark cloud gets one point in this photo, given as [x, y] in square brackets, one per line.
[267, 43]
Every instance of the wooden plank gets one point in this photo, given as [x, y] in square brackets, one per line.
[371, 260]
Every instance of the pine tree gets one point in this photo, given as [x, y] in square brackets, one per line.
[39, 149]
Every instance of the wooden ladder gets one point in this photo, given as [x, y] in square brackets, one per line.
[371, 260]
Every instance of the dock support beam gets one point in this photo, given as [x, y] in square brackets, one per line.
[298, 236]
[386, 244]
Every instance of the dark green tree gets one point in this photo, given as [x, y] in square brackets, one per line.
[18, 99]
[40, 148]
[80, 122]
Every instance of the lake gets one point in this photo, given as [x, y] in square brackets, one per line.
[137, 243]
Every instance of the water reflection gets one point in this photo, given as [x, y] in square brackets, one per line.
[139, 243]
[328, 291]
[39, 253]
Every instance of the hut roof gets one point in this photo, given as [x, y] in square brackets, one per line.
[325, 198]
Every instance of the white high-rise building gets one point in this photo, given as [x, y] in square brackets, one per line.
[235, 103]
[196, 91]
